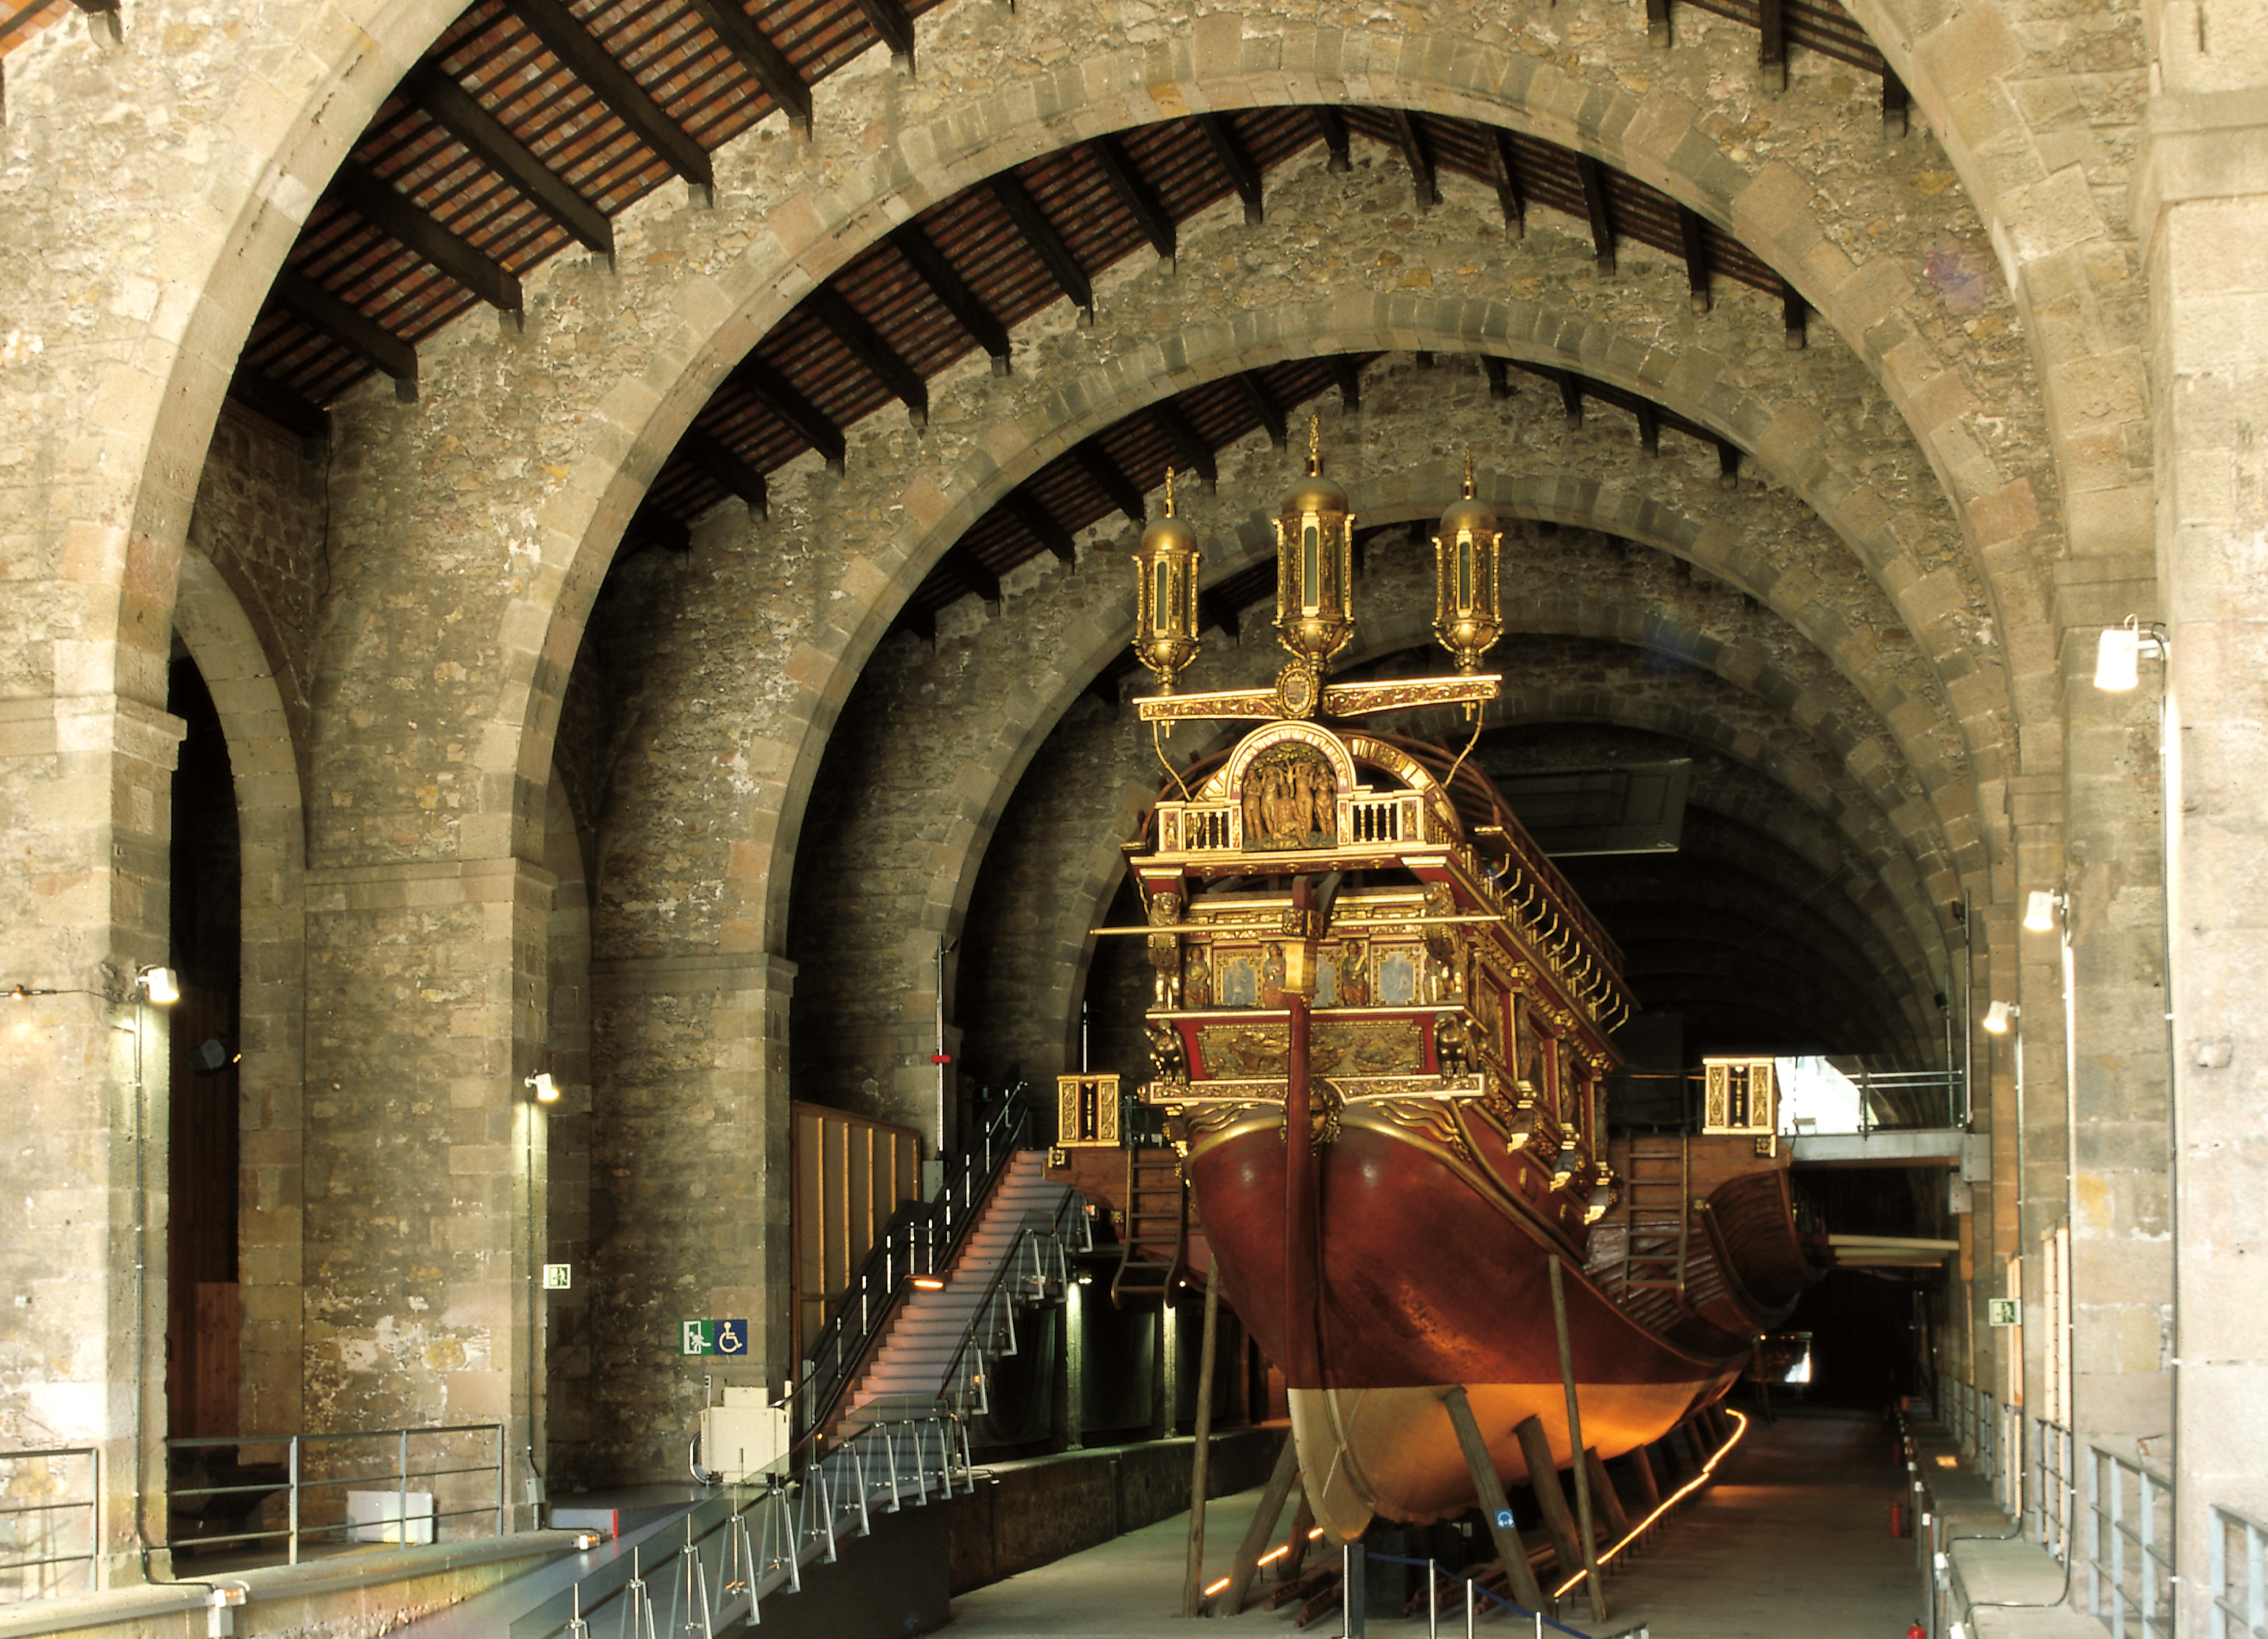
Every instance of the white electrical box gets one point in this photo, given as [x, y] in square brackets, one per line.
[744, 1439]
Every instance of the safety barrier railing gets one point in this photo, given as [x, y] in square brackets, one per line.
[2053, 1489]
[738, 1546]
[47, 1522]
[920, 1242]
[1476, 1600]
[2009, 1489]
[336, 1487]
[2238, 1575]
[1037, 1271]
[2129, 1547]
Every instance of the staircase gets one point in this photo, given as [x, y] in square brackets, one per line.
[1011, 1258]
[1156, 1234]
[1656, 1188]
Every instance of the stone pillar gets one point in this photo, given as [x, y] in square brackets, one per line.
[689, 1192]
[425, 1164]
[2201, 209]
[83, 1198]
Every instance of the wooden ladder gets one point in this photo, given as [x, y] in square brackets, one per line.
[1157, 1218]
[1661, 1214]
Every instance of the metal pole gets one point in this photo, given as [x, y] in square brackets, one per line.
[1192, 1585]
[1575, 1445]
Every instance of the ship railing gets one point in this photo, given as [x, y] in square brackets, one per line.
[919, 1242]
[2129, 1547]
[2239, 1576]
[2053, 1489]
[47, 1522]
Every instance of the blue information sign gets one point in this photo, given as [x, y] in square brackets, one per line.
[712, 1337]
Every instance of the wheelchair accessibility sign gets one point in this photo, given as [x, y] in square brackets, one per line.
[712, 1337]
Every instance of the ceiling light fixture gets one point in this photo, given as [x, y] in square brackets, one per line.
[2041, 907]
[2118, 654]
[1999, 1016]
[546, 1090]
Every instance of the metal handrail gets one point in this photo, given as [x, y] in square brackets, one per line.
[2240, 1607]
[2130, 1545]
[14, 1585]
[920, 1241]
[964, 1373]
[296, 1486]
[2054, 1489]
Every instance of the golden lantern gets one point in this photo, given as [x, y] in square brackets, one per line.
[1314, 580]
[1166, 595]
[1467, 618]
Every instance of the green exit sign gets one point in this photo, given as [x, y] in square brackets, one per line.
[2002, 1311]
[558, 1277]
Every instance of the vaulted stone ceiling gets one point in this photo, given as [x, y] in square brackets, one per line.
[1755, 565]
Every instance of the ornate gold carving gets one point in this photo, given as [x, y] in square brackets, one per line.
[1357, 700]
[1290, 800]
[1432, 1120]
[1299, 689]
[1086, 1112]
[1357, 1047]
[1324, 1124]
[1168, 1061]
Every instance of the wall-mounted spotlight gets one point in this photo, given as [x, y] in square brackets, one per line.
[2041, 907]
[2118, 653]
[1999, 1016]
[160, 984]
[545, 1089]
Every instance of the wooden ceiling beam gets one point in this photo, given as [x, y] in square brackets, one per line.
[455, 110]
[1571, 395]
[1504, 172]
[650, 528]
[264, 395]
[1041, 235]
[1729, 465]
[1032, 516]
[1187, 439]
[1657, 23]
[894, 24]
[1593, 177]
[1336, 139]
[1794, 315]
[866, 344]
[1772, 45]
[1649, 427]
[362, 336]
[1111, 479]
[962, 565]
[392, 212]
[929, 263]
[765, 62]
[1348, 379]
[779, 396]
[1422, 180]
[1692, 234]
[1243, 175]
[728, 466]
[1135, 193]
[1265, 407]
[1500, 377]
[1896, 104]
[579, 52]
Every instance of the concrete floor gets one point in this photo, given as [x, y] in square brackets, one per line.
[1791, 1537]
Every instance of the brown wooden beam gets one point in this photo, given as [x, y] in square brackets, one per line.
[1692, 233]
[1186, 439]
[1543, 1479]
[264, 395]
[1793, 314]
[765, 62]
[393, 213]
[866, 344]
[1571, 395]
[1488, 1486]
[1040, 524]
[1593, 177]
[1243, 174]
[1423, 181]
[728, 466]
[1503, 172]
[1111, 479]
[1500, 377]
[1348, 379]
[581, 54]
[1041, 235]
[1896, 105]
[351, 328]
[1333, 125]
[787, 405]
[894, 24]
[455, 110]
[1649, 427]
[1728, 466]
[1136, 194]
[1265, 407]
[1657, 23]
[952, 293]
[963, 566]
[1771, 44]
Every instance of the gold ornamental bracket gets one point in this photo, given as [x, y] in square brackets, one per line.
[1339, 700]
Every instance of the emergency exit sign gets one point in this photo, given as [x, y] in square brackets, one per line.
[712, 1337]
[558, 1277]
[2001, 1311]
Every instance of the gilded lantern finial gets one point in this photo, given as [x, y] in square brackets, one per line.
[1314, 580]
[1467, 617]
[1166, 595]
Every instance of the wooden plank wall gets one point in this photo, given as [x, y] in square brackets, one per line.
[850, 1175]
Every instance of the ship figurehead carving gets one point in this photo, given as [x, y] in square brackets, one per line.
[1381, 1032]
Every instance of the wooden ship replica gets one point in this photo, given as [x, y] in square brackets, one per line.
[1381, 1038]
